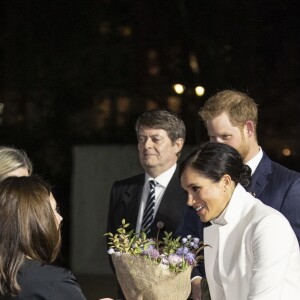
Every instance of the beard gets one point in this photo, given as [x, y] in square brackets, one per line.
[244, 148]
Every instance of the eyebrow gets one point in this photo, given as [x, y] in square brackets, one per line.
[153, 135]
[192, 184]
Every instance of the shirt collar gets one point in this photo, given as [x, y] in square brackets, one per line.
[253, 162]
[164, 178]
[220, 220]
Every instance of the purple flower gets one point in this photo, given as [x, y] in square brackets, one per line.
[190, 258]
[179, 251]
[185, 250]
[152, 252]
[151, 246]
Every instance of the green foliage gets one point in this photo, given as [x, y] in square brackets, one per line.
[176, 253]
[128, 242]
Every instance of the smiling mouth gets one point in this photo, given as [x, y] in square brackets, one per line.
[199, 208]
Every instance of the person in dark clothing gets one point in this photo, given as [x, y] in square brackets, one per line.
[30, 241]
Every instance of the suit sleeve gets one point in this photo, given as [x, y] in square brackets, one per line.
[273, 245]
[66, 287]
[111, 208]
[111, 226]
[291, 206]
[188, 223]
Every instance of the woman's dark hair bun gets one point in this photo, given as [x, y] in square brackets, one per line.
[245, 176]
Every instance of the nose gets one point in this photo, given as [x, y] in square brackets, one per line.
[59, 218]
[148, 143]
[190, 200]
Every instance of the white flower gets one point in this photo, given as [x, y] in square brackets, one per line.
[175, 259]
[184, 240]
[196, 240]
[111, 251]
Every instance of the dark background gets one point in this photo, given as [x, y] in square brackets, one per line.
[79, 72]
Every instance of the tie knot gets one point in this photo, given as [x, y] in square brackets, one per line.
[152, 183]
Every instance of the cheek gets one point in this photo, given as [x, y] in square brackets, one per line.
[232, 143]
[213, 198]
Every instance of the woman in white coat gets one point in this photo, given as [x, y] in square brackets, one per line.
[254, 252]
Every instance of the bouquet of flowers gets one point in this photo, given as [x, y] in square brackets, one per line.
[152, 268]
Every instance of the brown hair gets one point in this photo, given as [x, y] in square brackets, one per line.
[28, 228]
[238, 106]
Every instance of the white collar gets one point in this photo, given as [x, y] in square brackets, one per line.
[253, 162]
[164, 178]
[220, 220]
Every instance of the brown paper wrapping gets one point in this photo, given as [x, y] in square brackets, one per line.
[143, 279]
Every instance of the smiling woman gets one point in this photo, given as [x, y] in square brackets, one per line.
[211, 185]
[241, 234]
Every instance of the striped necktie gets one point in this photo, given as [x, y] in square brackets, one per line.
[148, 216]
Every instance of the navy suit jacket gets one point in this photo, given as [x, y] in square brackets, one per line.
[272, 183]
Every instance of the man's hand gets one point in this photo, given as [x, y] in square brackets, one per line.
[196, 288]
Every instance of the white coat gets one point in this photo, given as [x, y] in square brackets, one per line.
[255, 255]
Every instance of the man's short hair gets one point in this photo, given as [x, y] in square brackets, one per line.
[238, 106]
[162, 119]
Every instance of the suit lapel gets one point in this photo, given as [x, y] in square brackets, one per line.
[172, 192]
[259, 179]
[132, 199]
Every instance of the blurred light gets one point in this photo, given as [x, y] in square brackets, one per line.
[152, 54]
[104, 28]
[199, 90]
[194, 63]
[154, 70]
[286, 152]
[178, 88]
[174, 103]
[125, 31]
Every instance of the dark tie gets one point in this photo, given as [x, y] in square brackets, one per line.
[148, 216]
